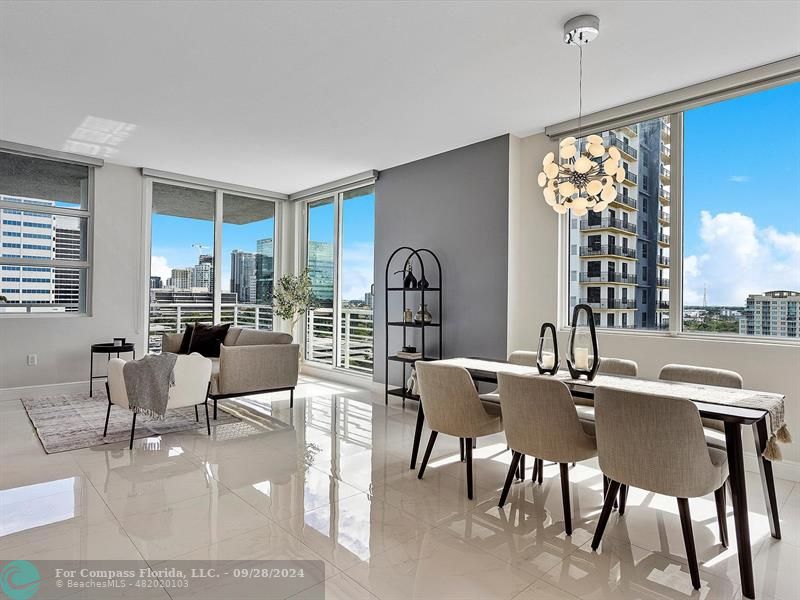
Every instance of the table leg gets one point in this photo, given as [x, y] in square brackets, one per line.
[767, 479]
[417, 435]
[91, 371]
[733, 442]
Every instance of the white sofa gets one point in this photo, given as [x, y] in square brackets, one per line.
[192, 379]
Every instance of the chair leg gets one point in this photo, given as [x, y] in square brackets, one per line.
[291, 398]
[623, 498]
[469, 466]
[719, 496]
[535, 469]
[608, 503]
[540, 474]
[688, 540]
[427, 455]
[565, 497]
[108, 411]
[208, 423]
[521, 467]
[461, 448]
[215, 409]
[196, 416]
[512, 470]
[133, 429]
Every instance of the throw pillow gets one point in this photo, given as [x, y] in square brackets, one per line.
[186, 342]
[206, 339]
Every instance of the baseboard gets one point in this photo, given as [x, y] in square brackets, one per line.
[48, 389]
[782, 469]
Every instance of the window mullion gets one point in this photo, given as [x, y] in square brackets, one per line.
[676, 225]
[217, 270]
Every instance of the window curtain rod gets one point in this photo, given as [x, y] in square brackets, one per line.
[225, 187]
[751, 80]
[365, 177]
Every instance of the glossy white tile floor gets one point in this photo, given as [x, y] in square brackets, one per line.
[338, 488]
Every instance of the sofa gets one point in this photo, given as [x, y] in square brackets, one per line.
[250, 361]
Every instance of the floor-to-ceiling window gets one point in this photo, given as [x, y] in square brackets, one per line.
[339, 258]
[196, 230]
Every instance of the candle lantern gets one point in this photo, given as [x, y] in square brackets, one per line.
[583, 358]
[547, 355]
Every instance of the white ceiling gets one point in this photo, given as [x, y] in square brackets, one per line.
[285, 96]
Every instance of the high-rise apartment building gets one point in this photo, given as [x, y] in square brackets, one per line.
[67, 282]
[772, 313]
[181, 279]
[619, 258]
[265, 270]
[243, 269]
[320, 269]
[203, 273]
[155, 282]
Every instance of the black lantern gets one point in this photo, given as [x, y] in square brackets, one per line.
[583, 358]
[547, 356]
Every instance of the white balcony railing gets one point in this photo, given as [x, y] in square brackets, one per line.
[166, 318]
[355, 338]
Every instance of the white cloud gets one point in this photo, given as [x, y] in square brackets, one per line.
[737, 258]
[739, 178]
[159, 267]
[357, 270]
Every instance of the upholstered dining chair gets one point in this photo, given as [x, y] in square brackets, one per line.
[657, 444]
[452, 406]
[540, 420]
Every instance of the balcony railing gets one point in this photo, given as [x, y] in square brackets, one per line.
[610, 304]
[626, 200]
[662, 260]
[631, 177]
[663, 304]
[608, 277]
[666, 172]
[355, 338]
[608, 250]
[608, 223]
[663, 216]
[663, 238]
[166, 318]
[663, 193]
[624, 147]
[662, 282]
[665, 149]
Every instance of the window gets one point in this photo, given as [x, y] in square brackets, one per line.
[184, 259]
[45, 208]
[740, 262]
[741, 233]
[339, 257]
[619, 236]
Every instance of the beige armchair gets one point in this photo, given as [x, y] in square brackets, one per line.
[452, 406]
[540, 420]
[251, 361]
[656, 444]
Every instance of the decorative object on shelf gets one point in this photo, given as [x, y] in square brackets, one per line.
[292, 299]
[119, 342]
[423, 316]
[412, 386]
[583, 357]
[409, 281]
[547, 360]
[584, 179]
[412, 331]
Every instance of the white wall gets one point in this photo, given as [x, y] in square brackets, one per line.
[62, 342]
[533, 299]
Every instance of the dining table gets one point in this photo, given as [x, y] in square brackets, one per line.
[733, 415]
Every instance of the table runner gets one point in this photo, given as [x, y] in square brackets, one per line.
[770, 402]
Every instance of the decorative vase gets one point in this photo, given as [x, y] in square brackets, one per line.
[547, 355]
[423, 316]
[423, 284]
[408, 315]
[583, 358]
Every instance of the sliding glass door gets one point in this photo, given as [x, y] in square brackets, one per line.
[212, 258]
[340, 239]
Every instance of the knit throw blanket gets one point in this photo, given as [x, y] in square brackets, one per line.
[147, 382]
[769, 402]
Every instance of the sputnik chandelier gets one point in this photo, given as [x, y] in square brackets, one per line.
[581, 180]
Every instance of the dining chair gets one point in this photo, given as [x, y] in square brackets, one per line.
[452, 406]
[657, 444]
[540, 420]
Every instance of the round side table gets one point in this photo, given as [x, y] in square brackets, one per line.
[108, 349]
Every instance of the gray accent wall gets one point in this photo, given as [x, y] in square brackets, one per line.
[455, 204]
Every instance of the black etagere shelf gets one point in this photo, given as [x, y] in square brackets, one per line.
[414, 259]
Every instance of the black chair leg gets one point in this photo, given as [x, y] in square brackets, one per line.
[196, 416]
[291, 398]
[608, 503]
[512, 470]
[208, 422]
[535, 470]
[521, 467]
[469, 467]
[565, 497]
[688, 540]
[540, 474]
[215, 409]
[461, 448]
[427, 455]
[719, 496]
[133, 430]
[108, 414]
[623, 498]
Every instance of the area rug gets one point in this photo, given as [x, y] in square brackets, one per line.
[73, 421]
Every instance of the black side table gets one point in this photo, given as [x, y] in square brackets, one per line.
[108, 349]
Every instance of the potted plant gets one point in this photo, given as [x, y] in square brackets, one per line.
[292, 298]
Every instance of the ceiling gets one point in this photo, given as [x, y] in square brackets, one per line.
[285, 96]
